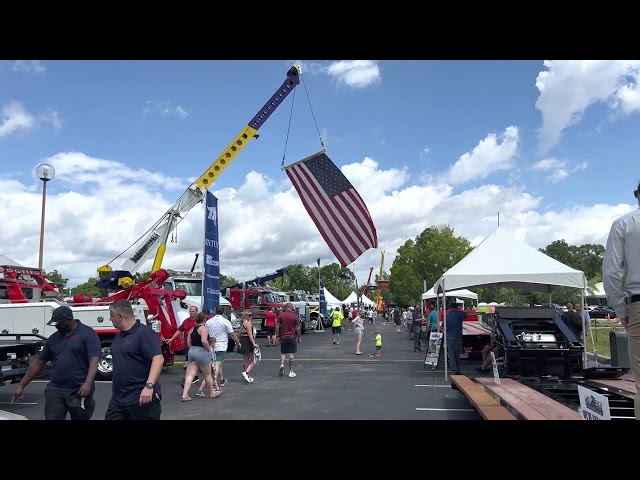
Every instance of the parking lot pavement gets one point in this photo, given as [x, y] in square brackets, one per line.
[332, 383]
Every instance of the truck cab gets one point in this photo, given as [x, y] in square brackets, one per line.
[258, 300]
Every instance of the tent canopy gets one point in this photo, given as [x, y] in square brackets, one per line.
[330, 300]
[353, 298]
[501, 260]
[464, 293]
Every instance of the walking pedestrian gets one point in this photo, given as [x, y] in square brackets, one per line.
[221, 331]
[358, 324]
[247, 345]
[287, 330]
[74, 351]
[621, 279]
[454, 337]
[137, 363]
[336, 325]
[200, 357]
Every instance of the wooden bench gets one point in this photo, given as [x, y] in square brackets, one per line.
[487, 406]
[527, 402]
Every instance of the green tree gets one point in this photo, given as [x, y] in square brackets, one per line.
[426, 258]
[88, 288]
[226, 281]
[55, 277]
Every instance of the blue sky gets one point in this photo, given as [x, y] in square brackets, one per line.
[550, 145]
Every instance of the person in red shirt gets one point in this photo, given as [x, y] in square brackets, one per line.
[287, 333]
[184, 329]
[270, 324]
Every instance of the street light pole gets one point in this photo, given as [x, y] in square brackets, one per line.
[45, 172]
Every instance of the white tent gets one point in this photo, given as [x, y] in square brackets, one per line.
[501, 260]
[330, 300]
[463, 293]
[353, 298]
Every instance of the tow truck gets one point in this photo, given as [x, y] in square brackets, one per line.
[153, 301]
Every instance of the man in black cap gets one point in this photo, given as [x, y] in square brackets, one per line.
[74, 351]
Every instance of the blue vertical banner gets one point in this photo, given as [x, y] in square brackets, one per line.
[211, 280]
[323, 303]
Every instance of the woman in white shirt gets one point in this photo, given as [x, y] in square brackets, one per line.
[358, 324]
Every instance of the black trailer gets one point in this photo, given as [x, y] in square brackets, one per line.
[15, 354]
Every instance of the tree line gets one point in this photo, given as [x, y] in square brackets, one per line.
[419, 261]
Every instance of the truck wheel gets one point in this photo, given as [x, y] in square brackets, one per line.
[105, 362]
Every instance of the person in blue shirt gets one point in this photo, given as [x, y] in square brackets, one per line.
[137, 364]
[74, 351]
[454, 337]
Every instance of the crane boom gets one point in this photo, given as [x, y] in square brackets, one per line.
[156, 237]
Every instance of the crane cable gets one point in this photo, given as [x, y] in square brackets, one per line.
[291, 116]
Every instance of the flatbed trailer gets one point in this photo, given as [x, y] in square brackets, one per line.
[547, 399]
[16, 351]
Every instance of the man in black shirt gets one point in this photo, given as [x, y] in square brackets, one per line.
[137, 363]
[74, 351]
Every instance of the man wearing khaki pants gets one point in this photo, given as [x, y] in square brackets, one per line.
[622, 257]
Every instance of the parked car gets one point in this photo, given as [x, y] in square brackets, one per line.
[602, 312]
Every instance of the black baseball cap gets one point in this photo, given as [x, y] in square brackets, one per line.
[60, 314]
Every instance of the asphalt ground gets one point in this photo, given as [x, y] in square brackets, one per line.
[332, 383]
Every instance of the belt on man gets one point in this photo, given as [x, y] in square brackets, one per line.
[634, 298]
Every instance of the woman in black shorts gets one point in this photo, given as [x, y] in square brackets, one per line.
[247, 345]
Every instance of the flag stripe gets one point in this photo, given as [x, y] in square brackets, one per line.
[346, 240]
[327, 230]
[354, 224]
[358, 205]
[361, 215]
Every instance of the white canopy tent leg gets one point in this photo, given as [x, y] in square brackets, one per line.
[584, 329]
[444, 323]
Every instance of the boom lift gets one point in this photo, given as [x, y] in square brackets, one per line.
[381, 284]
[157, 236]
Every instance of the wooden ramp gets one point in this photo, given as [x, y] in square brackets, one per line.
[487, 406]
[528, 403]
[621, 383]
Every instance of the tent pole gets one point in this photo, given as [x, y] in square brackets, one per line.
[444, 322]
[584, 330]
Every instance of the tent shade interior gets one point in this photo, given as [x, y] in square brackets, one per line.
[330, 300]
[463, 293]
[353, 298]
[501, 260]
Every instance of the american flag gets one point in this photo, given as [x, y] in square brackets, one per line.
[334, 206]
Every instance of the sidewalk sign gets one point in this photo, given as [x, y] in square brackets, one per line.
[496, 375]
[593, 406]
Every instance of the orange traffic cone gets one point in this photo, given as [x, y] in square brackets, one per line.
[608, 318]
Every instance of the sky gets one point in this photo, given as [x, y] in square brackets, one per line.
[528, 144]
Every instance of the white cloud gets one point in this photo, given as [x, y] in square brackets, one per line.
[164, 109]
[353, 73]
[96, 208]
[548, 164]
[568, 87]
[494, 153]
[424, 153]
[15, 118]
[28, 66]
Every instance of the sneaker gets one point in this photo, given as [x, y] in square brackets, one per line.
[223, 382]
[200, 393]
[281, 373]
[196, 379]
[292, 374]
[247, 377]
[250, 379]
